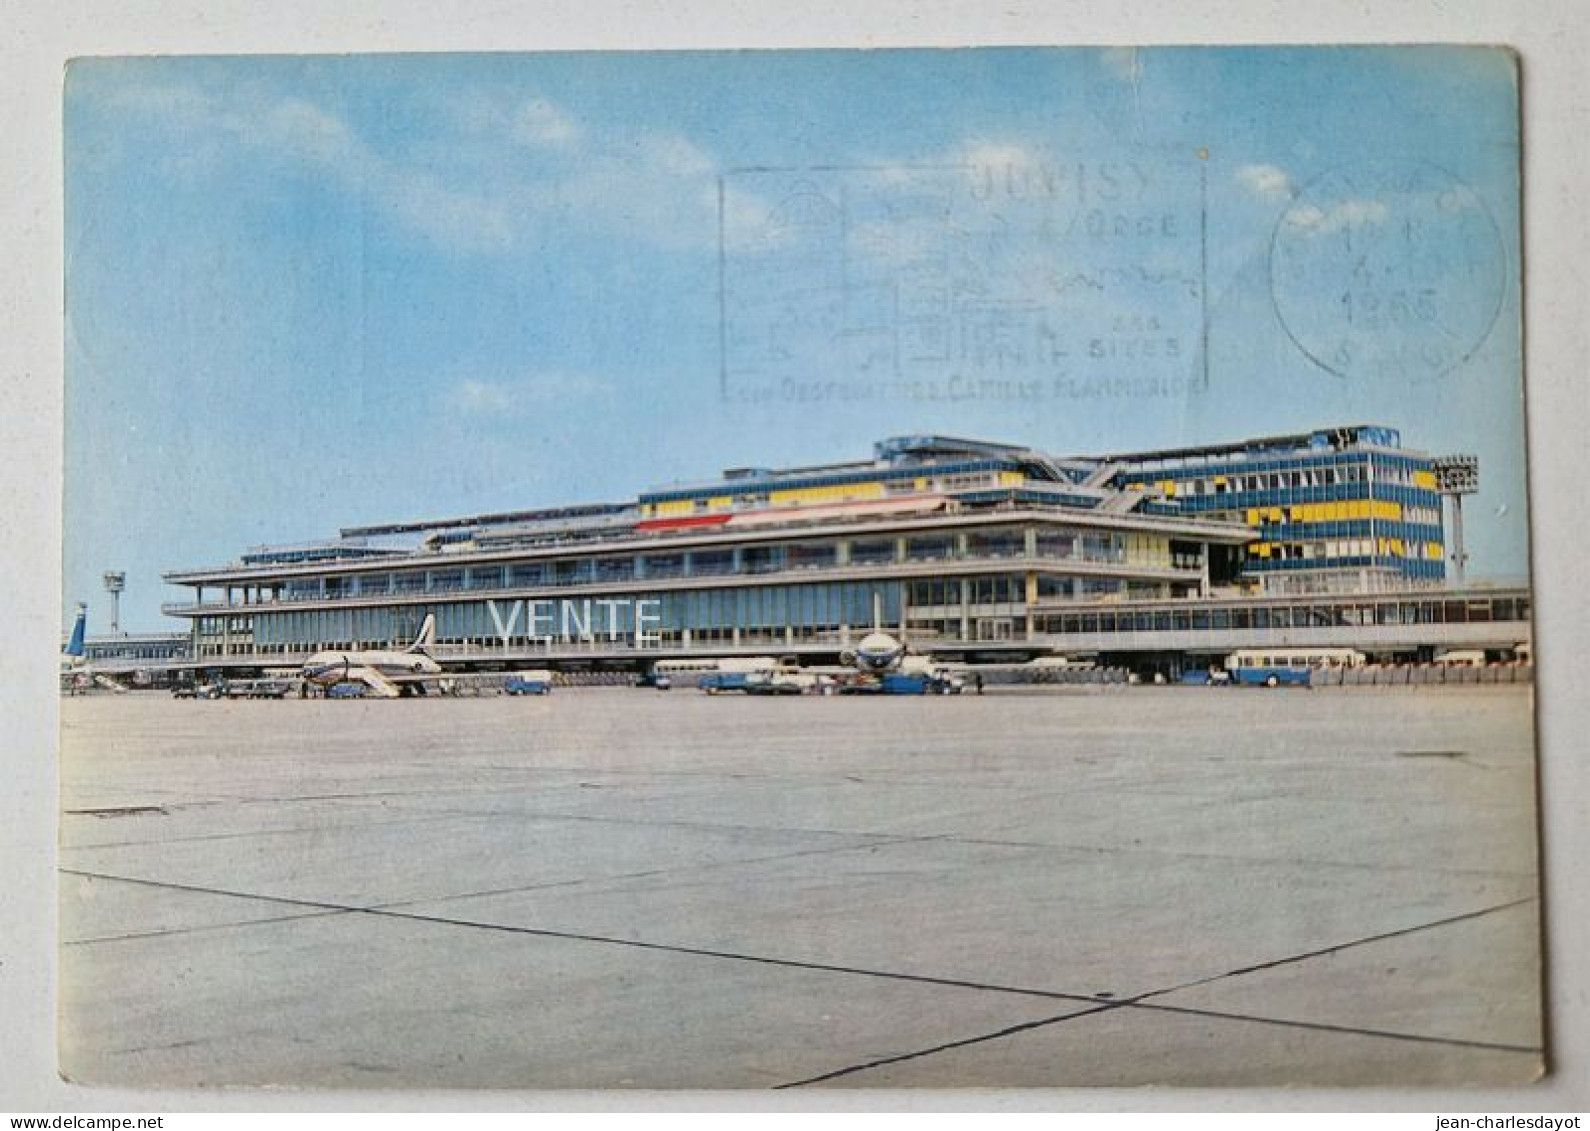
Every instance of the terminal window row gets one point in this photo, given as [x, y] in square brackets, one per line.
[1093, 547]
[1433, 611]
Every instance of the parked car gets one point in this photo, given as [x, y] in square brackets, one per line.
[198, 691]
[529, 683]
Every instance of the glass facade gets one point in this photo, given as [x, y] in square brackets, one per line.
[1348, 512]
[948, 539]
[1345, 612]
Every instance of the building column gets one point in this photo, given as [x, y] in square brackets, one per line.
[1032, 597]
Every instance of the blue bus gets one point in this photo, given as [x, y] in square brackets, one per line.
[1286, 667]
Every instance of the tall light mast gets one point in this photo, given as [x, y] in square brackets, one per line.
[1456, 476]
[114, 584]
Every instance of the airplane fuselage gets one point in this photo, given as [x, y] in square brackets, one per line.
[336, 667]
[878, 652]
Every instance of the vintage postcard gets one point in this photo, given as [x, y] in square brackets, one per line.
[797, 569]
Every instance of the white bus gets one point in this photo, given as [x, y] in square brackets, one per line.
[701, 665]
[1272, 667]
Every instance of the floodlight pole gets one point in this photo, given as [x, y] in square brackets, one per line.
[114, 584]
[1456, 476]
[1459, 554]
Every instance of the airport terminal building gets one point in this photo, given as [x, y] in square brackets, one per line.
[966, 547]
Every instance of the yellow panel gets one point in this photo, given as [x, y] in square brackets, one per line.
[1425, 479]
[838, 493]
[1253, 517]
[1011, 478]
[1220, 480]
[676, 507]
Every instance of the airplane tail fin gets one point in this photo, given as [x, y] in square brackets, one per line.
[75, 646]
[427, 636]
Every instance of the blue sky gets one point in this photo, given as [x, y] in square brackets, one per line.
[310, 293]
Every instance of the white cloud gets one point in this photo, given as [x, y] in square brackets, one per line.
[745, 218]
[178, 105]
[675, 156]
[298, 131]
[481, 397]
[538, 122]
[1347, 214]
[661, 189]
[1126, 63]
[469, 192]
[1268, 182]
[303, 130]
[657, 187]
[997, 155]
[511, 398]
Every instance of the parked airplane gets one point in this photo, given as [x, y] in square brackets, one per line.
[880, 654]
[77, 674]
[387, 674]
[877, 652]
[74, 655]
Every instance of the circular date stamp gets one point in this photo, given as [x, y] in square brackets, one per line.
[1387, 271]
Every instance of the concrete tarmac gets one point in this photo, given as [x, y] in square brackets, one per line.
[611, 887]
